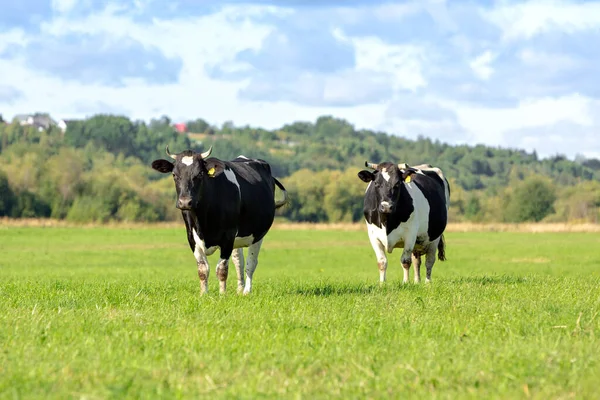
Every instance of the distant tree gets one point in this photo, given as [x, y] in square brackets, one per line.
[473, 208]
[532, 200]
[7, 197]
[592, 163]
[197, 126]
[299, 128]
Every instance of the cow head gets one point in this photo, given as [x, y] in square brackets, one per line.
[190, 171]
[388, 179]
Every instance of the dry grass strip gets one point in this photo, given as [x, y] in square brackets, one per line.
[279, 225]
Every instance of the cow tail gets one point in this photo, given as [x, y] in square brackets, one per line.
[442, 249]
[285, 200]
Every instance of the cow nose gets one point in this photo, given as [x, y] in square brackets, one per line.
[184, 203]
[385, 207]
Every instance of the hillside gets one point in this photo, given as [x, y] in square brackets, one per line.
[98, 169]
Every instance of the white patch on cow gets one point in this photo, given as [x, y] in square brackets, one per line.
[251, 264]
[377, 234]
[243, 241]
[378, 240]
[230, 175]
[238, 260]
[368, 186]
[200, 248]
[385, 175]
[242, 156]
[187, 160]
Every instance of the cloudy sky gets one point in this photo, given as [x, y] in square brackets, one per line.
[519, 74]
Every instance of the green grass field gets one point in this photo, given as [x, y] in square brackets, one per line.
[116, 313]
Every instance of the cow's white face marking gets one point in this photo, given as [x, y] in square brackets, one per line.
[187, 160]
[231, 178]
[385, 175]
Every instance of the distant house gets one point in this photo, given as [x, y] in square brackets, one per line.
[62, 125]
[41, 121]
[24, 119]
[180, 127]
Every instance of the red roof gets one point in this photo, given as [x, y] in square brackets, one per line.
[180, 127]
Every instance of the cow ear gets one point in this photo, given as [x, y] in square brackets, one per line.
[406, 174]
[366, 176]
[214, 168]
[163, 166]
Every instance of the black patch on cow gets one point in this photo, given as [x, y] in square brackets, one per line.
[437, 178]
[435, 196]
[251, 175]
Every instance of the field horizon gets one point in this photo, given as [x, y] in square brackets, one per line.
[282, 224]
[116, 312]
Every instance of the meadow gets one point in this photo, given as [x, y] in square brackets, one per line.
[115, 312]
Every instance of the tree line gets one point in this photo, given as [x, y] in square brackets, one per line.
[98, 170]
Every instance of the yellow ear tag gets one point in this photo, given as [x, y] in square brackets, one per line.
[211, 172]
[407, 180]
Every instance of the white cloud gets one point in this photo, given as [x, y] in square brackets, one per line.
[403, 66]
[489, 125]
[481, 65]
[15, 36]
[525, 20]
[395, 12]
[539, 59]
[197, 40]
[63, 6]
[550, 139]
[401, 62]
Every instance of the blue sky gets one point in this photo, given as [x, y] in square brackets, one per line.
[519, 74]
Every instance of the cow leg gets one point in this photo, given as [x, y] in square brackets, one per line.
[222, 273]
[223, 267]
[381, 258]
[251, 264]
[238, 260]
[203, 269]
[406, 258]
[201, 261]
[430, 260]
[416, 259]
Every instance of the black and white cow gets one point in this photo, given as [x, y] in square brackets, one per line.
[406, 207]
[226, 205]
